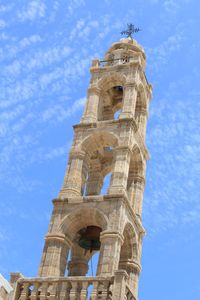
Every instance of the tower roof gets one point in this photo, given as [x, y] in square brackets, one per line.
[127, 44]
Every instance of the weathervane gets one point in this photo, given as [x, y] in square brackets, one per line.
[131, 29]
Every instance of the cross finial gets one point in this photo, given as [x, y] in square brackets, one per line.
[131, 29]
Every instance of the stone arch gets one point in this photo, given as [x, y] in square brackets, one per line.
[70, 227]
[109, 81]
[99, 150]
[129, 249]
[81, 218]
[111, 95]
[95, 141]
[136, 152]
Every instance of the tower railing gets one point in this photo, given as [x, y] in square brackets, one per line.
[63, 288]
[70, 288]
[112, 62]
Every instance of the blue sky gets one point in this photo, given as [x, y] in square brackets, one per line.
[46, 49]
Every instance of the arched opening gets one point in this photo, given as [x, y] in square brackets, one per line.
[86, 243]
[136, 172]
[110, 103]
[106, 184]
[111, 95]
[129, 256]
[100, 152]
[116, 114]
[83, 228]
[129, 248]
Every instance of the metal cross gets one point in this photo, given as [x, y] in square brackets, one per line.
[131, 29]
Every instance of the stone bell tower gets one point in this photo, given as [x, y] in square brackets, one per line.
[110, 138]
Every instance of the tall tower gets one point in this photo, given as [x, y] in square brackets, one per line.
[110, 138]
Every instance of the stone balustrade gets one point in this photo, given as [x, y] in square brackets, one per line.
[69, 288]
[64, 288]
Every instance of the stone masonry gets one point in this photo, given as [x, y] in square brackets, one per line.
[109, 139]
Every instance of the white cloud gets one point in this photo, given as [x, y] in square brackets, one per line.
[34, 9]
[171, 6]
[5, 8]
[73, 5]
[58, 113]
[159, 55]
[27, 41]
[39, 59]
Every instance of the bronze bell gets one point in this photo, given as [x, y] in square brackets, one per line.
[90, 238]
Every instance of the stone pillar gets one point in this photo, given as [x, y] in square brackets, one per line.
[94, 182]
[109, 253]
[130, 187]
[119, 287]
[139, 184]
[141, 121]
[73, 181]
[91, 109]
[119, 176]
[129, 101]
[78, 265]
[133, 268]
[54, 258]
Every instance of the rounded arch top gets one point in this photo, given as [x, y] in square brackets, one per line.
[81, 218]
[112, 80]
[98, 140]
[129, 248]
[136, 152]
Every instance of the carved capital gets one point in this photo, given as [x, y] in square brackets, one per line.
[58, 237]
[111, 235]
[122, 149]
[76, 153]
[93, 89]
[131, 84]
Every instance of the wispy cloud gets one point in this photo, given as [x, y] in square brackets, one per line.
[73, 5]
[171, 6]
[159, 55]
[34, 9]
[174, 167]
[57, 113]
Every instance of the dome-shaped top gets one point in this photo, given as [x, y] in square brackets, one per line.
[128, 45]
[125, 51]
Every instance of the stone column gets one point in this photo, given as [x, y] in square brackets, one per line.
[95, 180]
[78, 265]
[109, 253]
[139, 184]
[73, 181]
[133, 268]
[119, 176]
[55, 254]
[91, 108]
[129, 101]
[119, 287]
[141, 121]
[130, 187]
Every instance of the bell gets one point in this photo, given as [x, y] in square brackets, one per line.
[90, 238]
